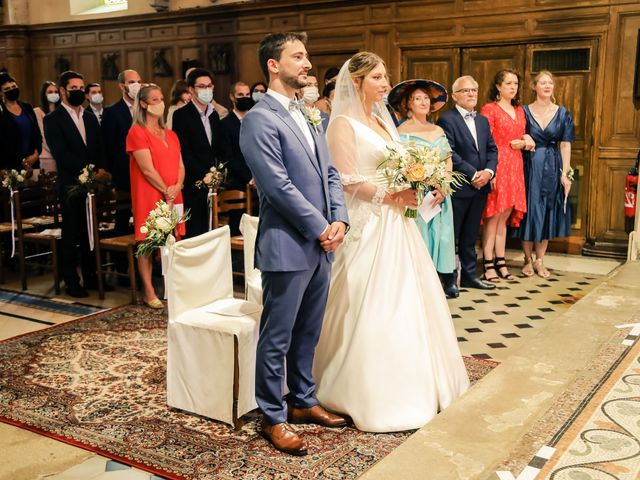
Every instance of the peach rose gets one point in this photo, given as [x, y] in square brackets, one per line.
[416, 173]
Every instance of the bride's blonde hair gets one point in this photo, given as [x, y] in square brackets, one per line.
[363, 63]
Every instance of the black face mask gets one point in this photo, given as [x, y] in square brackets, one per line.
[75, 97]
[13, 94]
[244, 103]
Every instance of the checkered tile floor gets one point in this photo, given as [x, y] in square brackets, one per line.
[492, 324]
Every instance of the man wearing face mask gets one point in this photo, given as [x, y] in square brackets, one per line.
[93, 92]
[222, 111]
[74, 139]
[197, 125]
[116, 122]
[20, 139]
[238, 172]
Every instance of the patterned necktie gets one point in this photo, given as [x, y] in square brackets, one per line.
[469, 115]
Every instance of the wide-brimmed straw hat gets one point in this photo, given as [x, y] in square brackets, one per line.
[437, 93]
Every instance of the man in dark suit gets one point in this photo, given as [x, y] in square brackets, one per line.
[238, 173]
[197, 125]
[476, 156]
[75, 141]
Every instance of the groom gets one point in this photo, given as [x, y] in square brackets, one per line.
[303, 220]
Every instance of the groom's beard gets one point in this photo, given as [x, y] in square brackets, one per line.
[293, 82]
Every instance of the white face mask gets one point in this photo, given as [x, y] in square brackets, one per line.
[205, 95]
[310, 94]
[53, 97]
[257, 96]
[132, 90]
[97, 99]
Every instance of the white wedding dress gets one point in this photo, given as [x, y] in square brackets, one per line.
[388, 354]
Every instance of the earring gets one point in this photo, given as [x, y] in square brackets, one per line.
[498, 97]
[553, 99]
[409, 114]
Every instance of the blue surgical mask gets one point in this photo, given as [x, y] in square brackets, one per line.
[257, 96]
[205, 95]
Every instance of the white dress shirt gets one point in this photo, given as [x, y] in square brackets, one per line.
[471, 124]
[204, 117]
[297, 116]
[77, 117]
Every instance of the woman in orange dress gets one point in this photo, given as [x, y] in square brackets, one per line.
[507, 201]
[157, 172]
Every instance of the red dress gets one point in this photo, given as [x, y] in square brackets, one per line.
[509, 191]
[166, 161]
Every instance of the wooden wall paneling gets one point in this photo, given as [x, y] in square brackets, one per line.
[380, 41]
[323, 61]
[613, 208]
[248, 65]
[41, 70]
[88, 63]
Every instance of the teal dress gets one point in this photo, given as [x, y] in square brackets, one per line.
[438, 233]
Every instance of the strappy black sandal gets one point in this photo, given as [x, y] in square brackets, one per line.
[489, 265]
[501, 267]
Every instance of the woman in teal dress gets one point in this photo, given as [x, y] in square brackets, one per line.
[415, 100]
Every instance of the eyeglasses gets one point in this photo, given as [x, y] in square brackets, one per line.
[467, 91]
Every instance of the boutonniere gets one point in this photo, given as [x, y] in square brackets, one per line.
[313, 118]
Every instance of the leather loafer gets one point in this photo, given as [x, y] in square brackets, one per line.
[76, 291]
[284, 438]
[317, 415]
[451, 291]
[477, 283]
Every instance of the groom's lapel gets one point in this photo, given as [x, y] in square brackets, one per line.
[293, 126]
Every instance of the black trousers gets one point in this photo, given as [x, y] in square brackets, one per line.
[75, 242]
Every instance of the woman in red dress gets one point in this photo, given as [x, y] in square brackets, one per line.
[507, 200]
[157, 171]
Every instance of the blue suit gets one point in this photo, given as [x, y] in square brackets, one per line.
[469, 202]
[300, 194]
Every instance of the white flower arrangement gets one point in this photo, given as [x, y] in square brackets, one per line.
[314, 118]
[87, 179]
[13, 179]
[214, 178]
[160, 222]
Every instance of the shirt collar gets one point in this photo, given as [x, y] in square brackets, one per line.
[463, 111]
[206, 112]
[72, 111]
[282, 99]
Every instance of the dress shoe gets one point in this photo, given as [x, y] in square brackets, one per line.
[76, 291]
[477, 283]
[451, 290]
[94, 286]
[317, 415]
[284, 438]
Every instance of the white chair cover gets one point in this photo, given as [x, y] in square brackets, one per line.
[252, 276]
[211, 336]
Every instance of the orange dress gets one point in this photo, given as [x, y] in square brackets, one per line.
[509, 191]
[166, 161]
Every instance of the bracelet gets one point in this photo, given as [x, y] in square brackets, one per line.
[378, 197]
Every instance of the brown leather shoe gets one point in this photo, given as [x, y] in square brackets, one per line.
[316, 414]
[283, 437]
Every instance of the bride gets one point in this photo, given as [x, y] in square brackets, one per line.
[388, 354]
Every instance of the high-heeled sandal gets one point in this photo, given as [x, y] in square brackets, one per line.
[501, 268]
[527, 269]
[540, 269]
[488, 265]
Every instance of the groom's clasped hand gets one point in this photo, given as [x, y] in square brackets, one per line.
[333, 236]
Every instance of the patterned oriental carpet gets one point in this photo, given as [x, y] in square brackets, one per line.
[99, 383]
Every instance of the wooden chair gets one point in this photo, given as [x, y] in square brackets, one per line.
[253, 202]
[223, 202]
[105, 203]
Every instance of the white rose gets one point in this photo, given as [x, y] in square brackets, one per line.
[20, 178]
[164, 224]
[144, 229]
[83, 177]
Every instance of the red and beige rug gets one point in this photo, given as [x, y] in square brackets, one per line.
[99, 383]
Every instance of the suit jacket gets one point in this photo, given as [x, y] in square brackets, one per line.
[116, 122]
[197, 155]
[466, 157]
[11, 136]
[300, 193]
[231, 155]
[67, 146]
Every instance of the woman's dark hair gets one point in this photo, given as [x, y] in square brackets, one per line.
[6, 78]
[44, 103]
[272, 46]
[331, 73]
[498, 79]
[253, 87]
[177, 90]
[328, 88]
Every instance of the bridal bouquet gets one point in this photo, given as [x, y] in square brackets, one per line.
[214, 178]
[159, 224]
[13, 179]
[421, 167]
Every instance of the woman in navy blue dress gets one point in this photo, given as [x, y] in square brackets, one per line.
[546, 175]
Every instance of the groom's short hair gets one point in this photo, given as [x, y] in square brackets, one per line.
[272, 46]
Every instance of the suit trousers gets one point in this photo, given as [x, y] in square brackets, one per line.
[195, 200]
[467, 215]
[294, 304]
[75, 241]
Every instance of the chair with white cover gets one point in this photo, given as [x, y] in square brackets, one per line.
[212, 336]
[252, 276]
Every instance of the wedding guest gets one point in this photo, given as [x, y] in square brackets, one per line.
[20, 138]
[93, 92]
[416, 100]
[222, 111]
[475, 155]
[157, 172]
[197, 125]
[258, 90]
[324, 104]
[546, 174]
[310, 95]
[506, 202]
[180, 96]
[49, 101]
